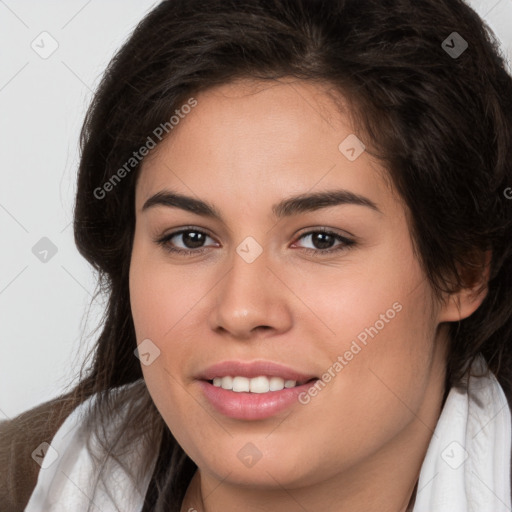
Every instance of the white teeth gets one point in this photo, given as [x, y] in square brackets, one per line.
[259, 384]
[227, 383]
[276, 383]
[241, 384]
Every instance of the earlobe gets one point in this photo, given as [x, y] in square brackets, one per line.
[463, 303]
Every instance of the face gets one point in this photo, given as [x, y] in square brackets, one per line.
[329, 288]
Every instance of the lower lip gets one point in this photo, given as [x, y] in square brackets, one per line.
[252, 406]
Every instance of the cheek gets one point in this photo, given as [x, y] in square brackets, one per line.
[161, 295]
[380, 348]
[386, 364]
[163, 300]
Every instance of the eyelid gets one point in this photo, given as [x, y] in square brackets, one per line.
[163, 239]
[345, 244]
[324, 229]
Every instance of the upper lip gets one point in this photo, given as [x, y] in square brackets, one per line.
[253, 369]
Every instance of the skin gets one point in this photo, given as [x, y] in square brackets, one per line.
[359, 444]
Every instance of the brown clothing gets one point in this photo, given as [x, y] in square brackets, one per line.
[19, 470]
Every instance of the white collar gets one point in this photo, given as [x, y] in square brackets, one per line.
[466, 468]
[467, 465]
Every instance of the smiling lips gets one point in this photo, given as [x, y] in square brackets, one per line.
[261, 384]
[252, 390]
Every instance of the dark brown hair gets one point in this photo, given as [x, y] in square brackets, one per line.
[441, 124]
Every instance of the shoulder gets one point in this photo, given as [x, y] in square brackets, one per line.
[19, 438]
[97, 454]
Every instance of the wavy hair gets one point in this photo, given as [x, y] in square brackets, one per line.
[440, 124]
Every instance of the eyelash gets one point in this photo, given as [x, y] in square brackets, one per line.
[345, 245]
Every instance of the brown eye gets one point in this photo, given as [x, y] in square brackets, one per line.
[192, 239]
[324, 242]
[185, 241]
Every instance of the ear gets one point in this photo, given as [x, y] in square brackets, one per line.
[463, 303]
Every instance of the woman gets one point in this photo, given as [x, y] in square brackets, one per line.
[298, 211]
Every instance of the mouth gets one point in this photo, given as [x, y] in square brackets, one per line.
[253, 390]
[257, 372]
[260, 384]
[258, 404]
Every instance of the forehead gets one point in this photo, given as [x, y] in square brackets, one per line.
[313, 102]
[245, 137]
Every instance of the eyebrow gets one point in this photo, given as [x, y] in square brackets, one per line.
[286, 208]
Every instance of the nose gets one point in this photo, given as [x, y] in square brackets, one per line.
[250, 300]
